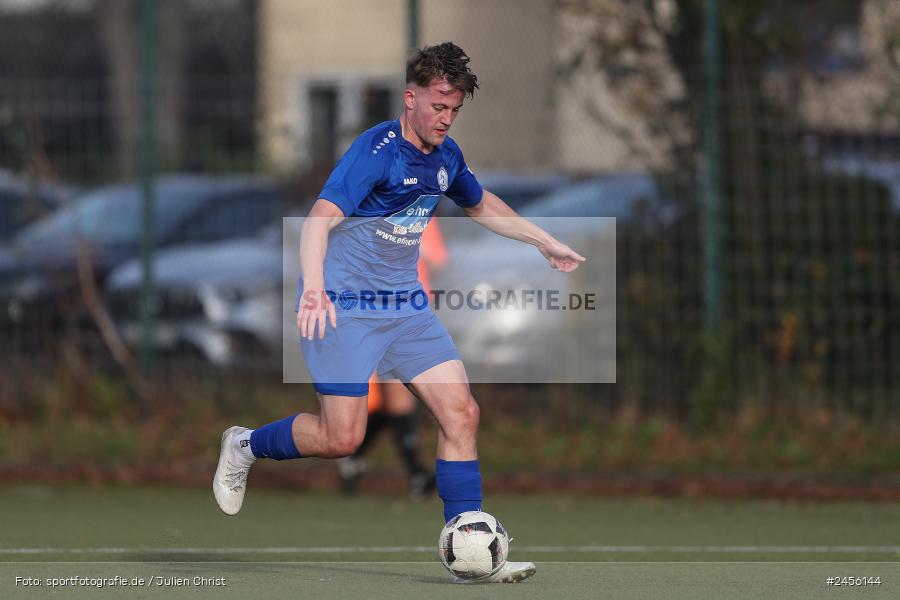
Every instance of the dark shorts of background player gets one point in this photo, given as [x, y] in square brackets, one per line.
[400, 348]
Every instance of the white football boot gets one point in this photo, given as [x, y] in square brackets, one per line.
[230, 480]
[510, 572]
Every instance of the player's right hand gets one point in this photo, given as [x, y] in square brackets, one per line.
[315, 307]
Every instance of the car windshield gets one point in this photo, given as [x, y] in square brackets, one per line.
[112, 215]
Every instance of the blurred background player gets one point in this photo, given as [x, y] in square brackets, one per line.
[391, 403]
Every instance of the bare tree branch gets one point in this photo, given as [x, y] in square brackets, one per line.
[100, 316]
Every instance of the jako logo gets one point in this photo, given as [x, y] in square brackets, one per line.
[410, 180]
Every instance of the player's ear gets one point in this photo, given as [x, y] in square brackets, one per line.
[409, 99]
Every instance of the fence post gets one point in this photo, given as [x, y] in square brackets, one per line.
[412, 16]
[148, 167]
[712, 216]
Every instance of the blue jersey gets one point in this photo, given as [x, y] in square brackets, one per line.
[388, 189]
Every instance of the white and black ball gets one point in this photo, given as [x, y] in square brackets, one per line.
[473, 544]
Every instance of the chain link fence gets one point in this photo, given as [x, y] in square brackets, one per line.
[809, 228]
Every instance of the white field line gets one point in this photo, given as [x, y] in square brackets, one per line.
[430, 549]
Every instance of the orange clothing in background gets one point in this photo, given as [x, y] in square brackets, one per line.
[432, 253]
[376, 398]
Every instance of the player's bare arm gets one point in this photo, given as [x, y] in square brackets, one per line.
[494, 214]
[315, 306]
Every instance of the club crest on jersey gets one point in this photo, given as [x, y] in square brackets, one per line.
[443, 180]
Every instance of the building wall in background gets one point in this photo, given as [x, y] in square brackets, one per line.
[510, 123]
[524, 116]
[322, 46]
[351, 47]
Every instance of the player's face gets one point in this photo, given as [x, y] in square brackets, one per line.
[432, 110]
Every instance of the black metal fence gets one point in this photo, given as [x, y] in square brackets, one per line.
[809, 230]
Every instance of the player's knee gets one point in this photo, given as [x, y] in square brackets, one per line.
[472, 414]
[343, 444]
[343, 440]
[465, 415]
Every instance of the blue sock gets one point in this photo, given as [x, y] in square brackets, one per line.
[275, 440]
[458, 485]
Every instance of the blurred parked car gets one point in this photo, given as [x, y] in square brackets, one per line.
[23, 202]
[39, 283]
[221, 301]
[633, 199]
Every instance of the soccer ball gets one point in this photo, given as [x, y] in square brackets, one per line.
[473, 544]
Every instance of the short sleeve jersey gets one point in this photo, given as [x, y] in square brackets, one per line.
[388, 189]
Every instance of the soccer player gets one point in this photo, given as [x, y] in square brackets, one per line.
[361, 306]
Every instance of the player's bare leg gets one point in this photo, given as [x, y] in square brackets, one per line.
[337, 431]
[444, 389]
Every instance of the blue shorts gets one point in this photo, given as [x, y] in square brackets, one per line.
[400, 348]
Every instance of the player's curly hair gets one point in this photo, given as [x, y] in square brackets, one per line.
[444, 61]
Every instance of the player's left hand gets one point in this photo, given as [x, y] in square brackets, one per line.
[561, 257]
